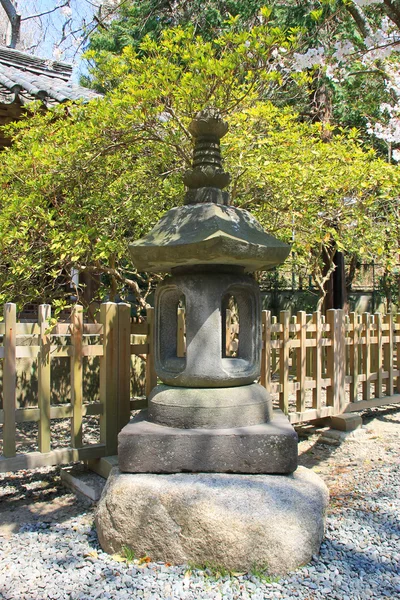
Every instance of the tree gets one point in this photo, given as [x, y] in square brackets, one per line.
[346, 54]
[56, 30]
[344, 44]
[80, 182]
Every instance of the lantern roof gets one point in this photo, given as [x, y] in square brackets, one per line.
[206, 230]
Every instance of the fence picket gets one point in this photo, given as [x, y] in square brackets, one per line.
[336, 360]
[284, 361]
[124, 364]
[317, 360]
[180, 343]
[266, 350]
[109, 377]
[274, 321]
[151, 375]
[301, 361]
[44, 390]
[76, 375]
[388, 355]
[9, 380]
[354, 357]
[367, 356]
[379, 355]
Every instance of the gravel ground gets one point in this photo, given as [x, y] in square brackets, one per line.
[49, 548]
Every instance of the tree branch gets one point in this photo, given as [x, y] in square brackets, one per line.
[15, 21]
[113, 272]
[392, 11]
[359, 18]
[47, 12]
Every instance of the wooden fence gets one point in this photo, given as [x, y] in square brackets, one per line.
[312, 366]
[114, 340]
[317, 367]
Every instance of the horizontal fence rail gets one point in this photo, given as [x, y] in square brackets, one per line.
[114, 340]
[313, 366]
[317, 367]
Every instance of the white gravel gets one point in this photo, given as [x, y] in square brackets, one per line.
[49, 548]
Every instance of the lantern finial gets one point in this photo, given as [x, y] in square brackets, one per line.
[207, 178]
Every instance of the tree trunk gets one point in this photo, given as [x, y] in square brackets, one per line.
[15, 21]
[321, 104]
[335, 286]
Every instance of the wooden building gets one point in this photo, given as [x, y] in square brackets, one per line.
[25, 78]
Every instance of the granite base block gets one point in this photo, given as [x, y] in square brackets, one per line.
[146, 447]
[240, 522]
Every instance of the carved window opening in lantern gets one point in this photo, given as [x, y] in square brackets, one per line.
[171, 329]
[245, 360]
[230, 326]
[181, 327]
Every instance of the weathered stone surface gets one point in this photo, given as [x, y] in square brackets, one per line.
[237, 521]
[204, 364]
[208, 233]
[346, 422]
[209, 407]
[145, 447]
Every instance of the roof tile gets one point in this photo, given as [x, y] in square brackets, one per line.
[26, 78]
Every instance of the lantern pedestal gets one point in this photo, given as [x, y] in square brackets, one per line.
[146, 447]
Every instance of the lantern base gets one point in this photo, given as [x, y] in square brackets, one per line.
[146, 447]
[210, 408]
[238, 522]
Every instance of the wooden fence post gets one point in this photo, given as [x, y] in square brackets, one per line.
[398, 353]
[109, 378]
[354, 356]
[379, 355]
[151, 375]
[76, 375]
[293, 350]
[367, 357]
[44, 393]
[336, 361]
[274, 321]
[124, 364]
[388, 355]
[301, 361]
[284, 361]
[317, 360]
[266, 350]
[9, 380]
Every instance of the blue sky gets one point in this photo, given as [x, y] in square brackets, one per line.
[41, 36]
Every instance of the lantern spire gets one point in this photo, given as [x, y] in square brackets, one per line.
[207, 178]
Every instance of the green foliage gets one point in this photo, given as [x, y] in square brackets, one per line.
[139, 18]
[350, 97]
[81, 181]
[210, 570]
[128, 554]
[261, 572]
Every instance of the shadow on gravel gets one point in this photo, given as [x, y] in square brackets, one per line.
[382, 414]
[33, 496]
[361, 563]
[320, 452]
[316, 454]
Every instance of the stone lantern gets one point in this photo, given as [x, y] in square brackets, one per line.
[196, 478]
[208, 408]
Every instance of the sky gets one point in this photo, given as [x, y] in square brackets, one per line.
[42, 35]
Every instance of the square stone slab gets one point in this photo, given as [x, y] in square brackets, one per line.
[145, 447]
